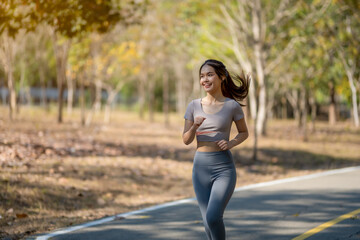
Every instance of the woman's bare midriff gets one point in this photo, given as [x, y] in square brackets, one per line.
[208, 147]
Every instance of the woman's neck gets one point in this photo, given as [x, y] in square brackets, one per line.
[213, 98]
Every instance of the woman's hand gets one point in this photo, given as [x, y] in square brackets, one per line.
[190, 128]
[224, 145]
[198, 121]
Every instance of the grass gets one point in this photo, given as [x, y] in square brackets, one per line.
[57, 175]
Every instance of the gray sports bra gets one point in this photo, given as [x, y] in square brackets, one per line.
[216, 126]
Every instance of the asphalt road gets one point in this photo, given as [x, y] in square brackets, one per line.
[276, 210]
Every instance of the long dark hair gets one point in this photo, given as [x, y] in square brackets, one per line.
[228, 87]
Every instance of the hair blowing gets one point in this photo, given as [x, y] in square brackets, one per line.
[228, 87]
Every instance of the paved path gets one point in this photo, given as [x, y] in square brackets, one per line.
[283, 209]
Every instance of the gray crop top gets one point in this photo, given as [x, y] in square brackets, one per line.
[216, 126]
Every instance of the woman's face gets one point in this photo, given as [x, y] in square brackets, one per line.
[209, 79]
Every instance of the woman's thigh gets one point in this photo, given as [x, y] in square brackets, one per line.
[221, 192]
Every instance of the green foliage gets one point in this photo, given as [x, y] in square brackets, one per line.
[179, 31]
[14, 15]
[69, 17]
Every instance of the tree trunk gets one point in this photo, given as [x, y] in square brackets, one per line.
[43, 85]
[283, 108]
[142, 93]
[271, 101]
[97, 77]
[2, 91]
[22, 97]
[70, 90]
[252, 99]
[98, 81]
[82, 98]
[332, 106]
[313, 109]
[61, 55]
[151, 103]
[12, 93]
[258, 48]
[97, 102]
[293, 98]
[40, 56]
[25, 96]
[350, 69]
[166, 97]
[111, 97]
[109, 101]
[7, 58]
[98, 91]
[355, 112]
[255, 146]
[303, 107]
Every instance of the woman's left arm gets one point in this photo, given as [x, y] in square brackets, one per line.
[242, 135]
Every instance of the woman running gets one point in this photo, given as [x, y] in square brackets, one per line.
[210, 119]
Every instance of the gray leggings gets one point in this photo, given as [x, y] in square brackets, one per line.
[214, 180]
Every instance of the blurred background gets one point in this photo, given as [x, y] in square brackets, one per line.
[93, 93]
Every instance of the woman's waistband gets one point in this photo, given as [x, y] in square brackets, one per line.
[212, 158]
[213, 153]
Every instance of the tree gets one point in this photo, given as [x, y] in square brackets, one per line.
[7, 55]
[85, 17]
[12, 17]
[346, 32]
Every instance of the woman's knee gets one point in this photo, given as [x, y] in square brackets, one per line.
[213, 219]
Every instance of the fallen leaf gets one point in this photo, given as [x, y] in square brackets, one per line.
[21, 215]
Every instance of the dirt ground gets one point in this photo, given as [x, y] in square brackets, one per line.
[57, 175]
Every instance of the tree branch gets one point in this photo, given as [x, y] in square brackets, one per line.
[269, 67]
[239, 51]
[282, 12]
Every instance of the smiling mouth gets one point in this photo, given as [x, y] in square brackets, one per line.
[207, 85]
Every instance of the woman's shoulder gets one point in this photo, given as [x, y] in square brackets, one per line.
[235, 105]
[232, 101]
[192, 103]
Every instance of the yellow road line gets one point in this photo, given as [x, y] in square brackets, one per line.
[326, 225]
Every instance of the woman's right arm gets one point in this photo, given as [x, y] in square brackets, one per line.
[189, 132]
[190, 129]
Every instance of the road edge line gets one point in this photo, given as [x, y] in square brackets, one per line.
[293, 179]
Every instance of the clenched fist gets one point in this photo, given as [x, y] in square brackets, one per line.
[198, 121]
